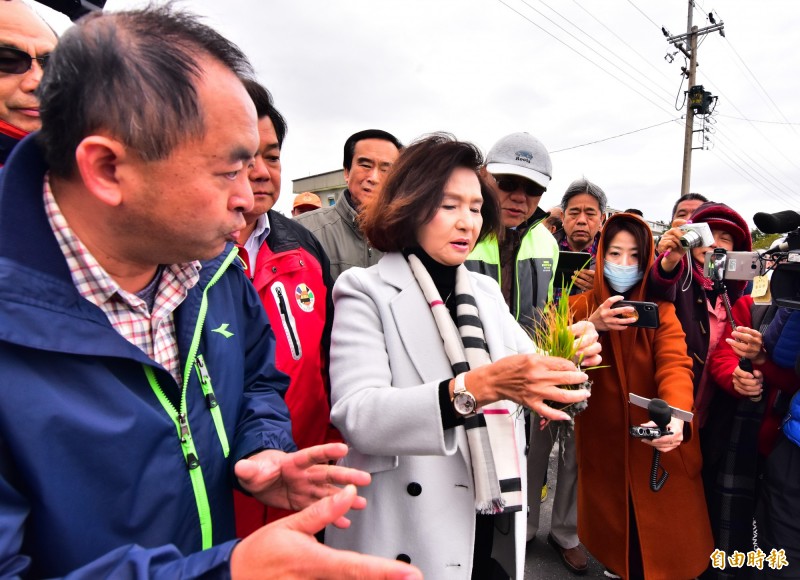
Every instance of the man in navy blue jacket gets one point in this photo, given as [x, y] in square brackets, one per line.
[138, 383]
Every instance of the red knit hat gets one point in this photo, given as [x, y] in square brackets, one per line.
[721, 217]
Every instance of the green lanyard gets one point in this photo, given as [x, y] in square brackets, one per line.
[181, 421]
[180, 417]
[211, 402]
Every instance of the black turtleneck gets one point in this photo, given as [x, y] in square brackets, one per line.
[444, 277]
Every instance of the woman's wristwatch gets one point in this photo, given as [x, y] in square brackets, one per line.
[463, 401]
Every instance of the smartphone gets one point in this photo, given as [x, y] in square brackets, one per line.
[738, 265]
[568, 264]
[646, 313]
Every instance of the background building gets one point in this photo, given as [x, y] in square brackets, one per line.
[327, 186]
[657, 227]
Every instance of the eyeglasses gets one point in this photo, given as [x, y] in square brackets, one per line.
[16, 62]
[510, 185]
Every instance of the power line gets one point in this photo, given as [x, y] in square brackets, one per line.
[775, 182]
[650, 81]
[645, 15]
[615, 136]
[742, 171]
[701, 10]
[763, 90]
[583, 56]
[680, 89]
[747, 159]
[727, 160]
[618, 37]
[758, 120]
[769, 142]
[582, 42]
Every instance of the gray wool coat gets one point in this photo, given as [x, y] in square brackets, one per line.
[387, 360]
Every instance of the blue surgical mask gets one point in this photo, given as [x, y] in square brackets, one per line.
[621, 278]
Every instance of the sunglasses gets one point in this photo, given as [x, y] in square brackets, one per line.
[16, 62]
[510, 185]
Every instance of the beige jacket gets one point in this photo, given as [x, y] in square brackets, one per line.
[335, 227]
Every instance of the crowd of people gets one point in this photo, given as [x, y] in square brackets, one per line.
[196, 385]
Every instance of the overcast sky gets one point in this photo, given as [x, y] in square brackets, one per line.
[481, 69]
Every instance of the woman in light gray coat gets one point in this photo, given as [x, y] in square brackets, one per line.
[428, 373]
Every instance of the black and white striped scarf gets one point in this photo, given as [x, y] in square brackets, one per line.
[491, 432]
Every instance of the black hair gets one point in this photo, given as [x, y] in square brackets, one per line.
[131, 74]
[687, 197]
[265, 107]
[350, 144]
[640, 232]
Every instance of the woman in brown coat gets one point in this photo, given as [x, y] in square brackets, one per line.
[633, 531]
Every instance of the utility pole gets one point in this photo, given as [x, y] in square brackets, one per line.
[689, 133]
[692, 34]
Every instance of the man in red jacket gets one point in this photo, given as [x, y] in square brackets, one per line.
[291, 273]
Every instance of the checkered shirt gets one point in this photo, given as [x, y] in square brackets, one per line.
[153, 332]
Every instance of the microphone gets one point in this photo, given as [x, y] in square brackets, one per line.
[660, 414]
[777, 223]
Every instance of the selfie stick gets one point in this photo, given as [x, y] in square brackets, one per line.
[718, 273]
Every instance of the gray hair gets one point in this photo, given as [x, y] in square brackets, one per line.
[583, 185]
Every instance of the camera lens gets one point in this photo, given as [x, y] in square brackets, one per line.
[691, 239]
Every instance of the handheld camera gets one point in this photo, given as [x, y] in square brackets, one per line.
[640, 432]
[785, 258]
[696, 236]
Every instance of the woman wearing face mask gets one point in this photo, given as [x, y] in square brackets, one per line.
[622, 522]
[428, 368]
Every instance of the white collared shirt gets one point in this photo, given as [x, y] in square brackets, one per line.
[255, 240]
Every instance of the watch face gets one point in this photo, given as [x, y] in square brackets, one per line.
[464, 403]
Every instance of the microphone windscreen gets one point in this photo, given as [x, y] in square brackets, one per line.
[777, 223]
[660, 413]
